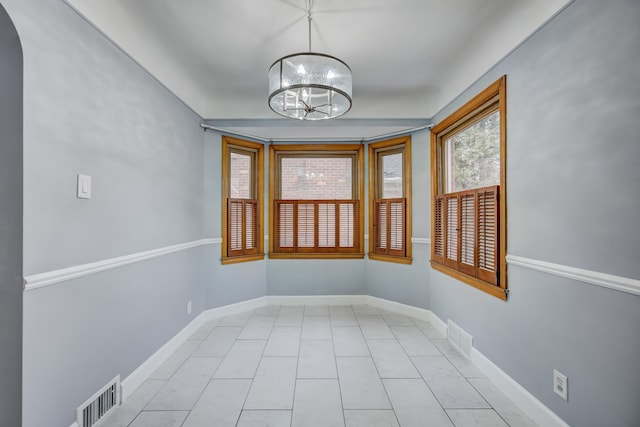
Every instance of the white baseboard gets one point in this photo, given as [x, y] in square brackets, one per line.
[409, 310]
[317, 300]
[231, 309]
[529, 404]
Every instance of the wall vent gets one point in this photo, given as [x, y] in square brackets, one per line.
[465, 343]
[100, 404]
[453, 332]
[459, 338]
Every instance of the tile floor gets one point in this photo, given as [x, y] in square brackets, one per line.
[348, 366]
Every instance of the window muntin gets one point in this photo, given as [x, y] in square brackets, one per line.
[468, 159]
[315, 200]
[390, 200]
[242, 211]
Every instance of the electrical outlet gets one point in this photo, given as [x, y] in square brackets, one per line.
[189, 307]
[560, 384]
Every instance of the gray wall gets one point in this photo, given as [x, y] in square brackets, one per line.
[316, 277]
[401, 283]
[231, 283]
[10, 223]
[89, 109]
[573, 103]
[82, 333]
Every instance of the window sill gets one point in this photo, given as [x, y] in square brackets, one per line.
[245, 258]
[390, 258]
[274, 255]
[472, 281]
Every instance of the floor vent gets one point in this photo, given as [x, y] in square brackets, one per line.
[459, 338]
[100, 404]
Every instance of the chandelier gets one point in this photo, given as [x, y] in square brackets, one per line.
[310, 86]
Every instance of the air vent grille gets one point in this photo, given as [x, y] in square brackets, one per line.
[459, 338]
[100, 404]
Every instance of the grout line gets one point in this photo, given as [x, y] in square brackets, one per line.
[489, 403]
[448, 356]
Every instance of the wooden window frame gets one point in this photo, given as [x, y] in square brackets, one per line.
[376, 149]
[231, 145]
[317, 150]
[491, 99]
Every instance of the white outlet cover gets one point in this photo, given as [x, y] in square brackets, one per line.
[560, 384]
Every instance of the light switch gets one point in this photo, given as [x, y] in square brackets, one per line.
[84, 186]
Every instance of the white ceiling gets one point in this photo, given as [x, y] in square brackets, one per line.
[409, 57]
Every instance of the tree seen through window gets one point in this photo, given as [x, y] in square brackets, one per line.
[473, 155]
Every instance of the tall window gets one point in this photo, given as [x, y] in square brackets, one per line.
[315, 193]
[242, 195]
[468, 183]
[390, 200]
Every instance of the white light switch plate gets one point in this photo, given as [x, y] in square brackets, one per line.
[84, 186]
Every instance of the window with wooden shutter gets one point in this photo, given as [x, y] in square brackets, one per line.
[468, 182]
[243, 227]
[315, 205]
[389, 221]
[242, 178]
[488, 234]
[316, 226]
[390, 200]
[466, 232]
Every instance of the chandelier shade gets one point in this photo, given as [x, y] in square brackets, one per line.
[310, 86]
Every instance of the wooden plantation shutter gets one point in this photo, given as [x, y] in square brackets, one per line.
[451, 231]
[349, 225]
[465, 234]
[467, 226]
[488, 234]
[316, 226]
[326, 221]
[389, 220]
[437, 244]
[379, 226]
[305, 226]
[243, 227]
[284, 225]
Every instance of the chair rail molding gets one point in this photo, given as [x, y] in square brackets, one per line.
[48, 278]
[421, 240]
[610, 281]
